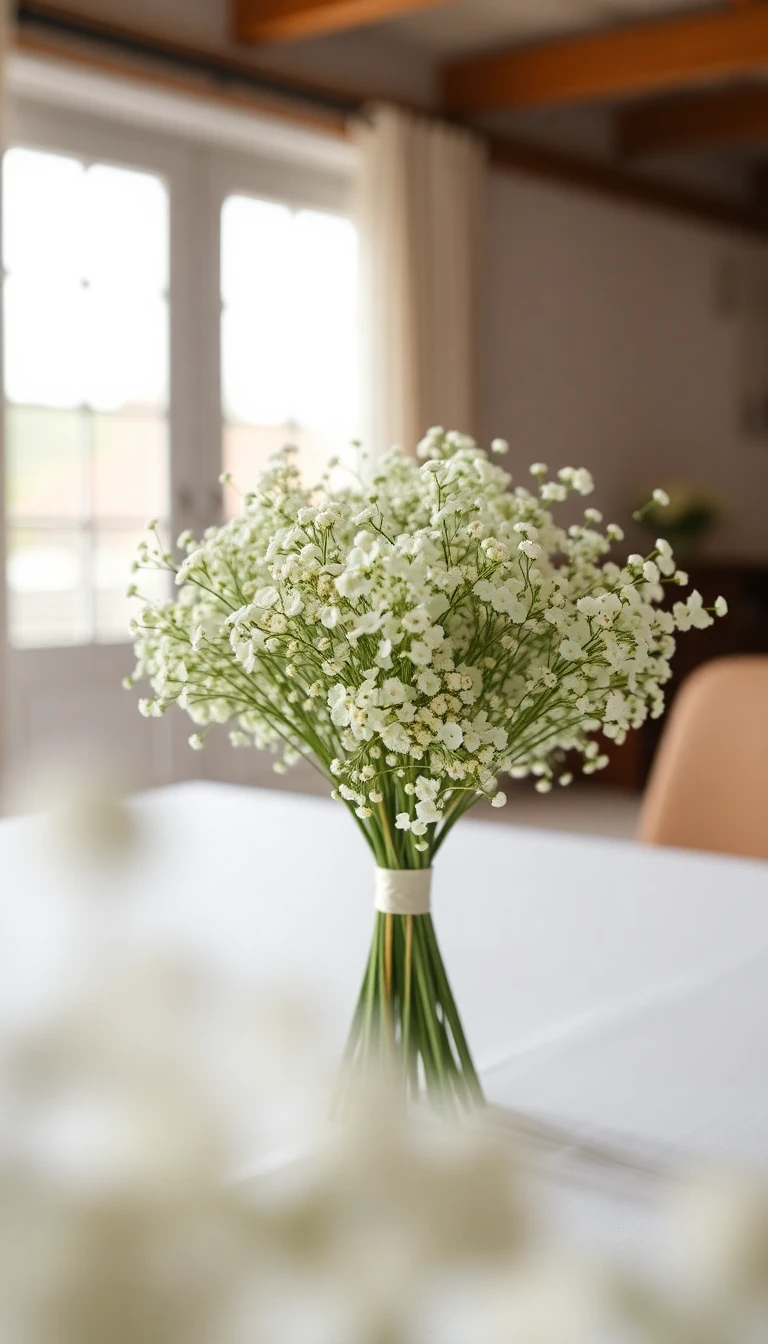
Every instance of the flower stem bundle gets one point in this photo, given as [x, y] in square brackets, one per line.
[406, 1018]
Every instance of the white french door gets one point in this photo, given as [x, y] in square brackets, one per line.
[170, 310]
[98, 438]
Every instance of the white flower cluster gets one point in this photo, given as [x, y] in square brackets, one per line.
[416, 636]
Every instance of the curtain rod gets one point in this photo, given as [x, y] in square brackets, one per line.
[226, 73]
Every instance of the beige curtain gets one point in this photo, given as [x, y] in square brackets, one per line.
[420, 218]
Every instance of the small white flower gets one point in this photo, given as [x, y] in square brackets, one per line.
[570, 650]
[367, 624]
[426, 788]
[266, 597]
[553, 491]
[428, 813]
[660, 497]
[582, 481]
[384, 653]
[530, 549]
[651, 572]
[395, 738]
[428, 683]
[451, 735]
[402, 821]
[420, 653]
[721, 606]
[498, 799]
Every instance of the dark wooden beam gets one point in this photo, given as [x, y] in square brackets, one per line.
[625, 188]
[760, 189]
[729, 116]
[620, 62]
[287, 20]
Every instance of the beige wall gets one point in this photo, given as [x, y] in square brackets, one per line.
[605, 343]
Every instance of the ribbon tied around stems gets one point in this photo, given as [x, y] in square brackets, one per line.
[403, 891]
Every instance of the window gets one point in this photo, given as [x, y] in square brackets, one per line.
[122, 253]
[288, 289]
[86, 260]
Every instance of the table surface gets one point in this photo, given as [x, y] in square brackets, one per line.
[607, 987]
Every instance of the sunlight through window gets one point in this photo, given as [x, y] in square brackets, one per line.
[289, 299]
[85, 253]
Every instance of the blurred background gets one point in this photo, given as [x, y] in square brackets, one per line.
[228, 226]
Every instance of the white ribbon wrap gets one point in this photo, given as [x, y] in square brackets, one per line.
[403, 891]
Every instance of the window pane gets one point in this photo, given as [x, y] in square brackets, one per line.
[113, 551]
[125, 229]
[126, 350]
[47, 596]
[42, 215]
[44, 362]
[130, 466]
[255, 252]
[289, 328]
[247, 449]
[45, 455]
[256, 260]
[324, 340]
[86, 257]
[256, 373]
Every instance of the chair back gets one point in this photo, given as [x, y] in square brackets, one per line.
[708, 788]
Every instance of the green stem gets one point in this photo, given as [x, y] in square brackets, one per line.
[406, 1012]
[451, 1011]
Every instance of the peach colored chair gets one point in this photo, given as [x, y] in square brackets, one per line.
[709, 784]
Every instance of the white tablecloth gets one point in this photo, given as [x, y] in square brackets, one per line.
[604, 986]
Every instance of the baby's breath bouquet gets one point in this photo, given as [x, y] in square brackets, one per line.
[414, 637]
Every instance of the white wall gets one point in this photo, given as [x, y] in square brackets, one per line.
[603, 345]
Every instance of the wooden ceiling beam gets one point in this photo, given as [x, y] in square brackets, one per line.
[730, 116]
[592, 177]
[615, 63]
[287, 20]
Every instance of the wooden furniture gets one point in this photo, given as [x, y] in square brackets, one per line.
[708, 788]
